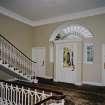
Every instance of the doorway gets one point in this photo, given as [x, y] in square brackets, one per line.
[67, 61]
[69, 37]
[38, 55]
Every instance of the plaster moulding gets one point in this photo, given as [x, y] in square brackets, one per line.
[66, 17]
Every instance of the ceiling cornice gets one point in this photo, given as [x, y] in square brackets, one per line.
[13, 15]
[66, 17]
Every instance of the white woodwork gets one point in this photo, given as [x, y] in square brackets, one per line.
[16, 95]
[67, 74]
[14, 60]
[70, 30]
[38, 55]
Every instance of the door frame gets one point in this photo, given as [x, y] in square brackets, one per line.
[77, 82]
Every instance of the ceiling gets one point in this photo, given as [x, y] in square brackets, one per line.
[38, 11]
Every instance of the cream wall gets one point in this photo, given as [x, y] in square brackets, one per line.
[96, 24]
[25, 37]
[17, 33]
[5, 76]
[41, 39]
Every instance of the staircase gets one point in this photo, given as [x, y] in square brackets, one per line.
[15, 62]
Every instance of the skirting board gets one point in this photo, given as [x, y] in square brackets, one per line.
[78, 84]
[48, 77]
[92, 83]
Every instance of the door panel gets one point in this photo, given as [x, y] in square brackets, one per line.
[38, 55]
[66, 73]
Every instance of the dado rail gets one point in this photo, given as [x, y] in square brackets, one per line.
[16, 94]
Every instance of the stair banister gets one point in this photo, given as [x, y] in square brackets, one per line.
[15, 58]
[16, 48]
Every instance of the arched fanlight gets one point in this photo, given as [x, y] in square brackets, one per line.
[76, 30]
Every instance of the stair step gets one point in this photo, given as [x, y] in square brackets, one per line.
[24, 74]
[10, 65]
[16, 70]
[6, 65]
[12, 68]
[20, 71]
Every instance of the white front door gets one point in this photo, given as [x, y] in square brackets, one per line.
[66, 62]
[38, 55]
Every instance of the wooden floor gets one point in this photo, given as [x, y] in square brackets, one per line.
[77, 95]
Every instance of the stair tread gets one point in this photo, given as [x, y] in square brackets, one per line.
[15, 70]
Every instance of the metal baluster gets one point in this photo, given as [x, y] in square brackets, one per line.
[6, 86]
[43, 96]
[32, 99]
[5, 61]
[10, 55]
[25, 99]
[25, 65]
[20, 61]
[24, 68]
[11, 92]
[19, 97]
[14, 53]
[1, 84]
[29, 96]
[30, 68]
[16, 94]
[35, 96]
[3, 51]
[0, 47]
[22, 95]
[16, 60]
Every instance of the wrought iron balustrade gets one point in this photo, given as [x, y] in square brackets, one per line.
[13, 94]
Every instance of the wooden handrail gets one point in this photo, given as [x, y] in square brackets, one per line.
[17, 48]
[32, 86]
[57, 97]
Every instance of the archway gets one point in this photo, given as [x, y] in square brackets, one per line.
[68, 37]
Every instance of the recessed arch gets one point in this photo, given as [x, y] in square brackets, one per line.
[67, 30]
